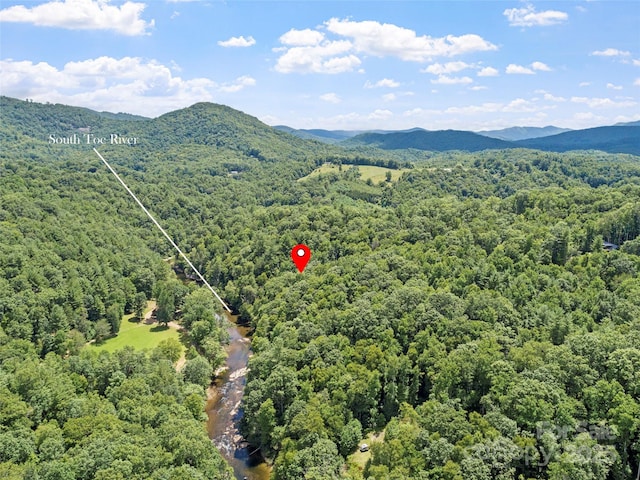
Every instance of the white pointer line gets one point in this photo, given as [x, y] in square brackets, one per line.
[163, 232]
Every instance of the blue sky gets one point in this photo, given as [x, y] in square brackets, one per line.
[337, 65]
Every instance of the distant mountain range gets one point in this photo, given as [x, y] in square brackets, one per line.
[327, 136]
[616, 139]
[522, 133]
[628, 124]
[332, 136]
[619, 138]
[509, 134]
[224, 127]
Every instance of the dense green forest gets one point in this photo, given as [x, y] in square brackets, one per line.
[468, 310]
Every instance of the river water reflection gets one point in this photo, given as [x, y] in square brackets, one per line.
[224, 408]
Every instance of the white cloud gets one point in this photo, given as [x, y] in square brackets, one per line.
[488, 107]
[301, 38]
[21, 79]
[514, 69]
[528, 17]
[385, 39]
[340, 64]
[419, 112]
[351, 120]
[488, 72]
[478, 87]
[519, 105]
[102, 68]
[584, 84]
[128, 84]
[518, 70]
[331, 98]
[389, 97]
[585, 116]
[380, 114]
[330, 57]
[614, 87]
[385, 82]
[450, 67]
[238, 42]
[553, 98]
[446, 80]
[635, 62]
[636, 82]
[603, 102]
[82, 15]
[611, 52]
[310, 51]
[540, 66]
[238, 84]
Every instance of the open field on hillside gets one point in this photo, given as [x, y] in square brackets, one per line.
[376, 174]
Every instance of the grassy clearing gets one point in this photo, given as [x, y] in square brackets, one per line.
[139, 335]
[376, 174]
[359, 458]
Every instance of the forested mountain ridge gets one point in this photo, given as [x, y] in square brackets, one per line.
[616, 139]
[38, 121]
[332, 136]
[328, 136]
[523, 133]
[201, 124]
[467, 309]
[228, 132]
[438, 141]
[619, 139]
[222, 126]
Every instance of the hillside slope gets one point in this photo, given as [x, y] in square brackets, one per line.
[620, 139]
[200, 124]
[437, 141]
[458, 308]
[320, 135]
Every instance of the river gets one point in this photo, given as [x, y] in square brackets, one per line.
[224, 408]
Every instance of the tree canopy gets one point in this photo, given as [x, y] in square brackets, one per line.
[468, 309]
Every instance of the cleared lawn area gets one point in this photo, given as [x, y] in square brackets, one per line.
[376, 174]
[139, 335]
[359, 458]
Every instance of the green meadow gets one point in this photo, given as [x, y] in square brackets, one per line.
[376, 174]
[138, 335]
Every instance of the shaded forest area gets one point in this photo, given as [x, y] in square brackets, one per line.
[468, 309]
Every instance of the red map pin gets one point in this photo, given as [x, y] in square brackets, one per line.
[300, 254]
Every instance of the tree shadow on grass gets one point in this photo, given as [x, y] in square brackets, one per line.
[133, 320]
[159, 328]
[101, 340]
